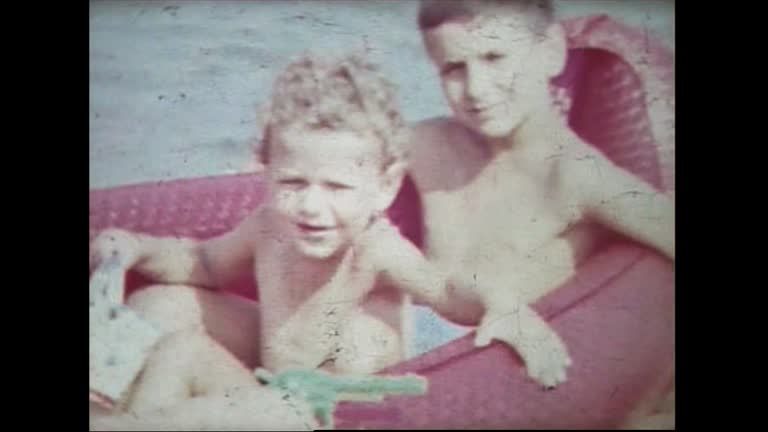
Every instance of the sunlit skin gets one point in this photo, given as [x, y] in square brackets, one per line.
[520, 184]
[331, 272]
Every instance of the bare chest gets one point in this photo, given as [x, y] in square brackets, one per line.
[500, 213]
[290, 292]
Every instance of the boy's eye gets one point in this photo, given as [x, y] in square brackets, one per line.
[335, 186]
[294, 182]
[450, 67]
[492, 56]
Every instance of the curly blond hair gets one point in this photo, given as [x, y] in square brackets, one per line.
[344, 93]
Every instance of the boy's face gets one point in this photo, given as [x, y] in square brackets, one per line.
[490, 71]
[324, 185]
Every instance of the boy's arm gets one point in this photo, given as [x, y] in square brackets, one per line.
[621, 201]
[503, 315]
[402, 265]
[231, 255]
[182, 260]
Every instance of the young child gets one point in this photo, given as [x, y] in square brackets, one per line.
[510, 193]
[331, 269]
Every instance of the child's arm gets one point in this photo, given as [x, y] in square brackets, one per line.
[504, 316]
[401, 265]
[181, 260]
[621, 201]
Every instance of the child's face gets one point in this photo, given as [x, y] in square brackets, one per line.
[325, 185]
[490, 71]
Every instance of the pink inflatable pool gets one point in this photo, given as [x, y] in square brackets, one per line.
[616, 314]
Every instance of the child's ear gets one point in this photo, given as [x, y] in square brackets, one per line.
[555, 51]
[392, 180]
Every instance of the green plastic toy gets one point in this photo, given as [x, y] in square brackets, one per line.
[323, 390]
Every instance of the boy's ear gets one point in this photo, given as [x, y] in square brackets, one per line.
[555, 52]
[392, 180]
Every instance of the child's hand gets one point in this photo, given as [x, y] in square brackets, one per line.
[544, 353]
[114, 244]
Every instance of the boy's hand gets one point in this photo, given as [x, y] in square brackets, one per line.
[544, 353]
[115, 244]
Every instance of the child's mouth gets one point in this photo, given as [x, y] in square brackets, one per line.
[481, 110]
[479, 114]
[313, 229]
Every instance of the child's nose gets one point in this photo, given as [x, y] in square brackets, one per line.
[311, 202]
[477, 82]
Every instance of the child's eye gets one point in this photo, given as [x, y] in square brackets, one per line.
[335, 186]
[450, 67]
[493, 56]
[293, 182]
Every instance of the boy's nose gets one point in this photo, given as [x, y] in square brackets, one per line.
[311, 202]
[477, 83]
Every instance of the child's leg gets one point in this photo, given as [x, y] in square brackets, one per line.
[254, 409]
[192, 383]
[186, 364]
[232, 321]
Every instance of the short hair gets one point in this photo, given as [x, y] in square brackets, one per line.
[345, 93]
[434, 13]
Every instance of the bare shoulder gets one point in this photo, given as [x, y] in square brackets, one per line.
[246, 235]
[254, 224]
[442, 152]
[589, 174]
[430, 141]
[259, 227]
[579, 156]
[430, 131]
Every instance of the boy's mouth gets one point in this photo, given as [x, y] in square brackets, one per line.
[480, 113]
[482, 109]
[313, 228]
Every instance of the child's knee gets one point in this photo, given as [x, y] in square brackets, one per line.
[168, 374]
[184, 343]
[170, 307]
[176, 353]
